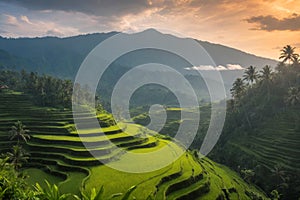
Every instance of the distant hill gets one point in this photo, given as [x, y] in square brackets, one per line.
[62, 57]
[51, 55]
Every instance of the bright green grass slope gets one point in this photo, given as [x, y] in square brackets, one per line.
[58, 155]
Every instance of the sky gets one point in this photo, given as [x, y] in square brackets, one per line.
[260, 27]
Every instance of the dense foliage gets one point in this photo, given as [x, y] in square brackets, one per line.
[270, 95]
[260, 97]
[12, 183]
[45, 90]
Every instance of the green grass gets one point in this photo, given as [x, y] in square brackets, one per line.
[73, 182]
[39, 176]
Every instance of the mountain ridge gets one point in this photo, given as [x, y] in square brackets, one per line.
[150, 29]
[9, 45]
[62, 57]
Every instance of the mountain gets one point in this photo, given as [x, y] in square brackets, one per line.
[62, 57]
[51, 55]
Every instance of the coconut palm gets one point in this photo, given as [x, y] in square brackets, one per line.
[251, 74]
[288, 54]
[266, 74]
[238, 88]
[266, 78]
[19, 131]
[280, 176]
[17, 157]
[293, 96]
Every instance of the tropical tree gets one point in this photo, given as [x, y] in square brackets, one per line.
[288, 54]
[278, 172]
[19, 131]
[251, 74]
[266, 74]
[280, 176]
[293, 96]
[17, 157]
[237, 91]
[238, 88]
[266, 78]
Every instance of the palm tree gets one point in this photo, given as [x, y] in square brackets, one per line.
[280, 176]
[266, 73]
[237, 91]
[19, 131]
[288, 54]
[251, 74]
[266, 78]
[293, 96]
[238, 88]
[18, 156]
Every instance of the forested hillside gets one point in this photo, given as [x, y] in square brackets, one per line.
[262, 129]
[261, 135]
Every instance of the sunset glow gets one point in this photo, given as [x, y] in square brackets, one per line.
[257, 27]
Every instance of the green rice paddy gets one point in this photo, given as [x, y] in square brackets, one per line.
[58, 155]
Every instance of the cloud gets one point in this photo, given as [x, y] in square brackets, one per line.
[124, 7]
[54, 32]
[234, 67]
[13, 26]
[25, 19]
[218, 68]
[94, 7]
[271, 23]
[9, 20]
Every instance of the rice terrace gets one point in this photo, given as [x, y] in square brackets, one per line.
[58, 156]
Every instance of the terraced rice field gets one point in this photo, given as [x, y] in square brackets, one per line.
[58, 155]
[276, 142]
